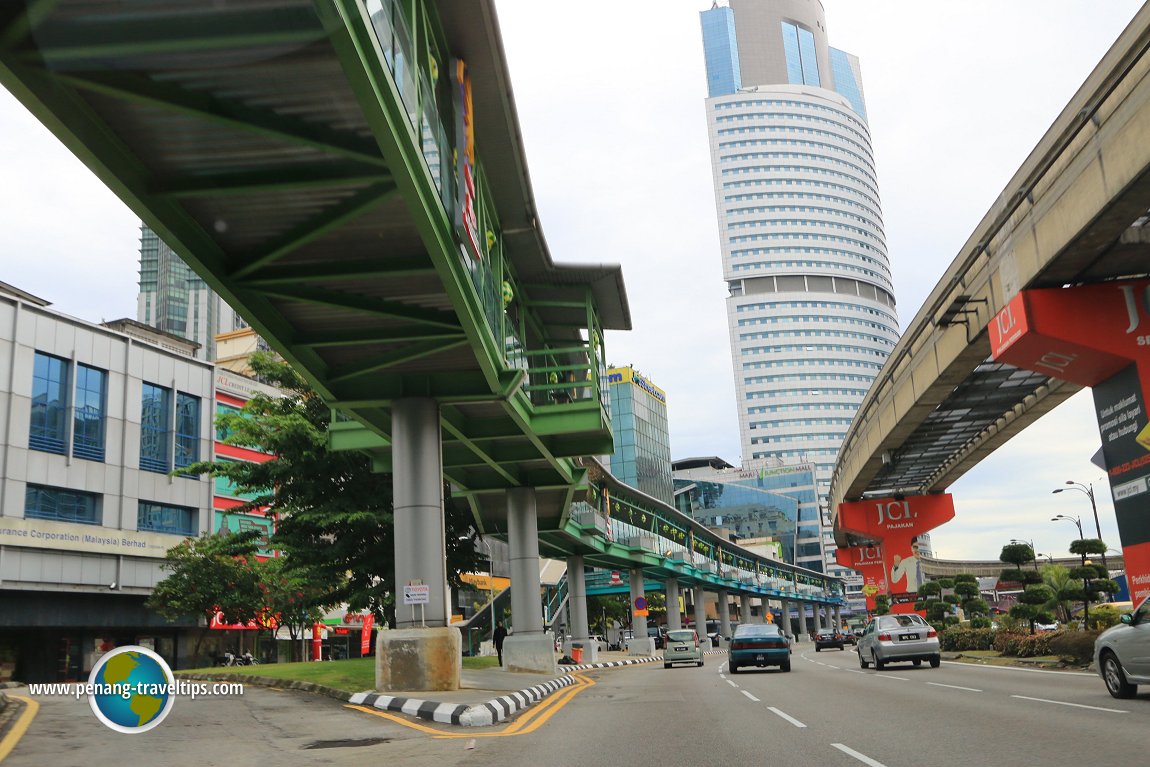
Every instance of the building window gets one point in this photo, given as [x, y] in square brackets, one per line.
[62, 505]
[88, 420]
[49, 404]
[155, 427]
[156, 518]
[187, 430]
[222, 433]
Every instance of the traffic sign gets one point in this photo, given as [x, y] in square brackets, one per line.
[416, 594]
[640, 603]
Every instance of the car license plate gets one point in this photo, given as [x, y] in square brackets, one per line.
[760, 657]
[680, 649]
[908, 636]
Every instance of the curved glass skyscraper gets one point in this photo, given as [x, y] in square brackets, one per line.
[811, 308]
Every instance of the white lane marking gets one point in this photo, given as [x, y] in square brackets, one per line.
[1075, 705]
[861, 757]
[752, 697]
[786, 716]
[954, 686]
[854, 670]
[888, 676]
[1069, 674]
[732, 684]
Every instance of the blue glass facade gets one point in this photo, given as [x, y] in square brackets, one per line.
[49, 404]
[779, 503]
[799, 49]
[845, 82]
[721, 51]
[642, 457]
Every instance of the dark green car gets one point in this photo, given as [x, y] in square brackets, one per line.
[758, 644]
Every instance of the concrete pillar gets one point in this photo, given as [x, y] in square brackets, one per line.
[528, 648]
[801, 633]
[671, 589]
[641, 644]
[701, 614]
[745, 608]
[785, 619]
[577, 603]
[724, 618]
[424, 652]
[838, 618]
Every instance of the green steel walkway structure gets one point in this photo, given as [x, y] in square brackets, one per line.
[349, 175]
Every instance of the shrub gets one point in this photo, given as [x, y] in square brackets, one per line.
[1074, 646]
[957, 638]
[1103, 617]
[1023, 645]
[980, 622]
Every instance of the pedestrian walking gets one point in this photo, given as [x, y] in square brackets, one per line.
[497, 637]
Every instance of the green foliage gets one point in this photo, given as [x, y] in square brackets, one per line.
[1031, 576]
[1073, 646]
[980, 622]
[293, 597]
[1023, 645]
[957, 638]
[1017, 554]
[1011, 576]
[936, 611]
[1037, 594]
[976, 607]
[881, 604]
[1087, 546]
[930, 589]
[951, 599]
[966, 578]
[1103, 617]
[335, 514]
[966, 590]
[946, 583]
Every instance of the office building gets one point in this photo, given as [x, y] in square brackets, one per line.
[811, 308]
[176, 300]
[642, 457]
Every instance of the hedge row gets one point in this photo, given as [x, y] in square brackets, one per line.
[1071, 646]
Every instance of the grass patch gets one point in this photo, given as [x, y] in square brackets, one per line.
[354, 675]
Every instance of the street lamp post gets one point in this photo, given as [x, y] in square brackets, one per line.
[490, 583]
[1085, 581]
[1033, 551]
[1088, 490]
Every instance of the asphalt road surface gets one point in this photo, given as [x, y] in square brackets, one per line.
[826, 712]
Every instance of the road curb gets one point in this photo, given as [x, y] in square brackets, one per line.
[16, 714]
[267, 681]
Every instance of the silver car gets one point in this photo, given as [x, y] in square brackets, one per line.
[682, 647]
[1122, 653]
[896, 638]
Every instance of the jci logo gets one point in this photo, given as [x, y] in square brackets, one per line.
[894, 511]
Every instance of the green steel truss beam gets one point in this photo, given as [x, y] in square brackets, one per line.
[36, 11]
[246, 118]
[390, 359]
[258, 182]
[365, 304]
[294, 274]
[358, 337]
[329, 220]
[70, 40]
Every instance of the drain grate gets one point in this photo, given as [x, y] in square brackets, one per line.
[346, 743]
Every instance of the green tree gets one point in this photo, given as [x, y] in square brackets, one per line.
[1094, 578]
[210, 575]
[335, 512]
[1058, 579]
[1032, 601]
[1017, 554]
[881, 604]
[292, 598]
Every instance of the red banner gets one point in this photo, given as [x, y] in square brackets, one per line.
[365, 634]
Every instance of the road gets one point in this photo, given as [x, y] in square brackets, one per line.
[826, 711]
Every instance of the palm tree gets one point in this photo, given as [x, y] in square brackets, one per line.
[1058, 579]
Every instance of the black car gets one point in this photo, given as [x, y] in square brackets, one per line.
[828, 639]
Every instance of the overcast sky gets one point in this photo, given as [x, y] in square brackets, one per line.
[610, 99]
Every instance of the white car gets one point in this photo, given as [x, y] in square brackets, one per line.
[1122, 653]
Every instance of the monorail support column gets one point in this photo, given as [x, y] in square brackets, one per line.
[577, 604]
[671, 591]
[724, 618]
[745, 608]
[640, 644]
[701, 615]
[1097, 336]
[785, 619]
[425, 651]
[528, 648]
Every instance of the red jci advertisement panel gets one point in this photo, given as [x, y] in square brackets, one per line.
[867, 560]
[896, 522]
[1098, 336]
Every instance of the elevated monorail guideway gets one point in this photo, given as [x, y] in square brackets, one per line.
[1074, 214]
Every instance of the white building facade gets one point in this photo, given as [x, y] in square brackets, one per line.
[94, 421]
[811, 308]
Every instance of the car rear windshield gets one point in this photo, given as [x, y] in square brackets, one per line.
[681, 636]
[895, 621]
[761, 629]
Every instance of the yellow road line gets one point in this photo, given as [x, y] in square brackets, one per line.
[521, 726]
[13, 737]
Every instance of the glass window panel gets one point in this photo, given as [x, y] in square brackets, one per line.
[62, 505]
[155, 426]
[88, 421]
[809, 60]
[791, 51]
[157, 518]
[187, 430]
[48, 431]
